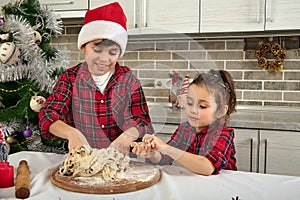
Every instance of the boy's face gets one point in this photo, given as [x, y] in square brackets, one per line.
[200, 107]
[100, 59]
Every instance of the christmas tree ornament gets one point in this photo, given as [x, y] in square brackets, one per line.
[37, 37]
[27, 132]
[2, 22]
[9, 53]
[37, 103]
[10, 139]
[4, 37]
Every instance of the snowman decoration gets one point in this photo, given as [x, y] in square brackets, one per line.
[37, 103]
[9, 53]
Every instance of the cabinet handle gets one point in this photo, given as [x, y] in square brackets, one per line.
[134, 14]
[258, 11]
[265, 158]
[251, 153]
[59, 3]
[258, 151]
[145, 13]
[269, 8]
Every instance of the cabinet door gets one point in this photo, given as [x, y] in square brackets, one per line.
[280, 152]
[67, 8]
[164, 16]
[282, 14]
[129, 7]
[68, 5]
[231, 15]
[246, 145]
[170, 16]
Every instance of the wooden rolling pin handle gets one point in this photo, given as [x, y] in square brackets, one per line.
[22, 186]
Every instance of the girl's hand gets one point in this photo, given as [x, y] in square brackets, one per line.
[141, 149]
[154, 142]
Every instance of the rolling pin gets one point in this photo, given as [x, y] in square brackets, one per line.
[22, 185]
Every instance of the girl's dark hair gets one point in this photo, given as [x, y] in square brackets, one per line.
[220, 84]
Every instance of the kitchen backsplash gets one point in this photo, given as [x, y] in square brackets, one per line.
[154, 57]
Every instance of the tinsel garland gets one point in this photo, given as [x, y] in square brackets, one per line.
[37, 67]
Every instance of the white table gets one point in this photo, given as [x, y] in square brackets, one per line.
[176, 183]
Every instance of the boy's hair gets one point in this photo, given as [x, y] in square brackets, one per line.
[220, 84]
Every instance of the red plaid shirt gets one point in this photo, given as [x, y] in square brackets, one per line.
[216, 145]
[77, 101]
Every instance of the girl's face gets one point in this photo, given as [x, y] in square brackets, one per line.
[200, 107]
[100, 59]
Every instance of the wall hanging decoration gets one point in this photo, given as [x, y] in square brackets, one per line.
[275, 51]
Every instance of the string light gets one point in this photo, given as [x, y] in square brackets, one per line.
[15, 90]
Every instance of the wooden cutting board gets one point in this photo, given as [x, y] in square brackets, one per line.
[138, 176]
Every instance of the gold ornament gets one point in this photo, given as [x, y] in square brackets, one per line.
[10, 139]
[277, 53]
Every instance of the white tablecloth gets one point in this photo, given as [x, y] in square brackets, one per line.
[176, 183]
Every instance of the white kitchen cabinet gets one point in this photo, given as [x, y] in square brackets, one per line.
[67, 8]
[129, 7]
[164, 16]
[280, 152]
[282, 14]
[246, 145]
[248, 15]
[231, 15]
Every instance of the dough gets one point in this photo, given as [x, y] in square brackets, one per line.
[103, 163]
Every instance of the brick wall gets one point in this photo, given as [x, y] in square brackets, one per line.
[152, 58]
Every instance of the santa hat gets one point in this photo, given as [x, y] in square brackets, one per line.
[105, 22]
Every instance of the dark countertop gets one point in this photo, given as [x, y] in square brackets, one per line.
[251, 117]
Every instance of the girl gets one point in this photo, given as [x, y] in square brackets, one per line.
[203, 144]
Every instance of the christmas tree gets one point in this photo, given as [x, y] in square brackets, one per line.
[29, 66]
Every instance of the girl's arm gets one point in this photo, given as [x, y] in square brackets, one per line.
[195, 163]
